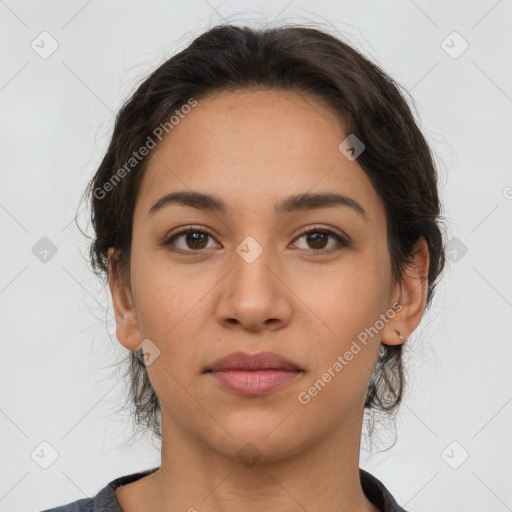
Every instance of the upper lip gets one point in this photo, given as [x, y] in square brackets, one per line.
[245, 361]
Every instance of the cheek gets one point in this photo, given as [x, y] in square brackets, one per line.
[352, 298]
[347, 345]
[345, 352]
[169, 299]
[172, 313]
[333, 394]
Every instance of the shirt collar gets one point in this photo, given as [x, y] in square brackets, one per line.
[373, 488]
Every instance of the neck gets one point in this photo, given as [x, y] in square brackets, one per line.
[194, 476]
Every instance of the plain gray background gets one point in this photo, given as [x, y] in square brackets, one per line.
[58, 378]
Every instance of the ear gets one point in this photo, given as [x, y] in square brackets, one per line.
[127, 325]
[411, 294]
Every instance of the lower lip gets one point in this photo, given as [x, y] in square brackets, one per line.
[253, 382]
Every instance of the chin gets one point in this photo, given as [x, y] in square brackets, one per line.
[255, 437]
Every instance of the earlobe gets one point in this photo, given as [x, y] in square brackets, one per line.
[393, 333]
[411, 295]
[127, 328]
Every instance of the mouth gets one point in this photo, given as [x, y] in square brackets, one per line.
[254, 382]
[247, 362]
[253, 375]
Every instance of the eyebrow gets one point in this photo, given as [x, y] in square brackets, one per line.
[298, 202]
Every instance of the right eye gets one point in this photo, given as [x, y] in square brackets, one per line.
[192, 240]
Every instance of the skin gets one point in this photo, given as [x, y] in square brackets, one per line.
[253, 148]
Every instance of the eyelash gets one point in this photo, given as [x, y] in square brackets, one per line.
[342, 242]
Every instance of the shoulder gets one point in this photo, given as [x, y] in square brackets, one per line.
[377, 493]
[82, 505]
[105, 500]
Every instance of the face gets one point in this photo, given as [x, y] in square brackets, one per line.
[256, 273]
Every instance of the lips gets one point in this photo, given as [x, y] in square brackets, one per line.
[245, 361]
[253, 374]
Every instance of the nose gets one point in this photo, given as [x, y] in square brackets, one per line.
[254, 295]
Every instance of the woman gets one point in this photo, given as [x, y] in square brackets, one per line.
[268, 221]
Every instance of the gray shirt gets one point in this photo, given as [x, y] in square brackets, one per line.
[105, 500]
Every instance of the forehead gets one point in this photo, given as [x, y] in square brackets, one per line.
[255, 145]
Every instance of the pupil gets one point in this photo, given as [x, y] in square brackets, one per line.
[317, 238]
[196, 237]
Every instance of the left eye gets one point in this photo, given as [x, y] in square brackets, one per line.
[195, 240]
[319, 238]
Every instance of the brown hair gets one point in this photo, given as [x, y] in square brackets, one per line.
[396, 158]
